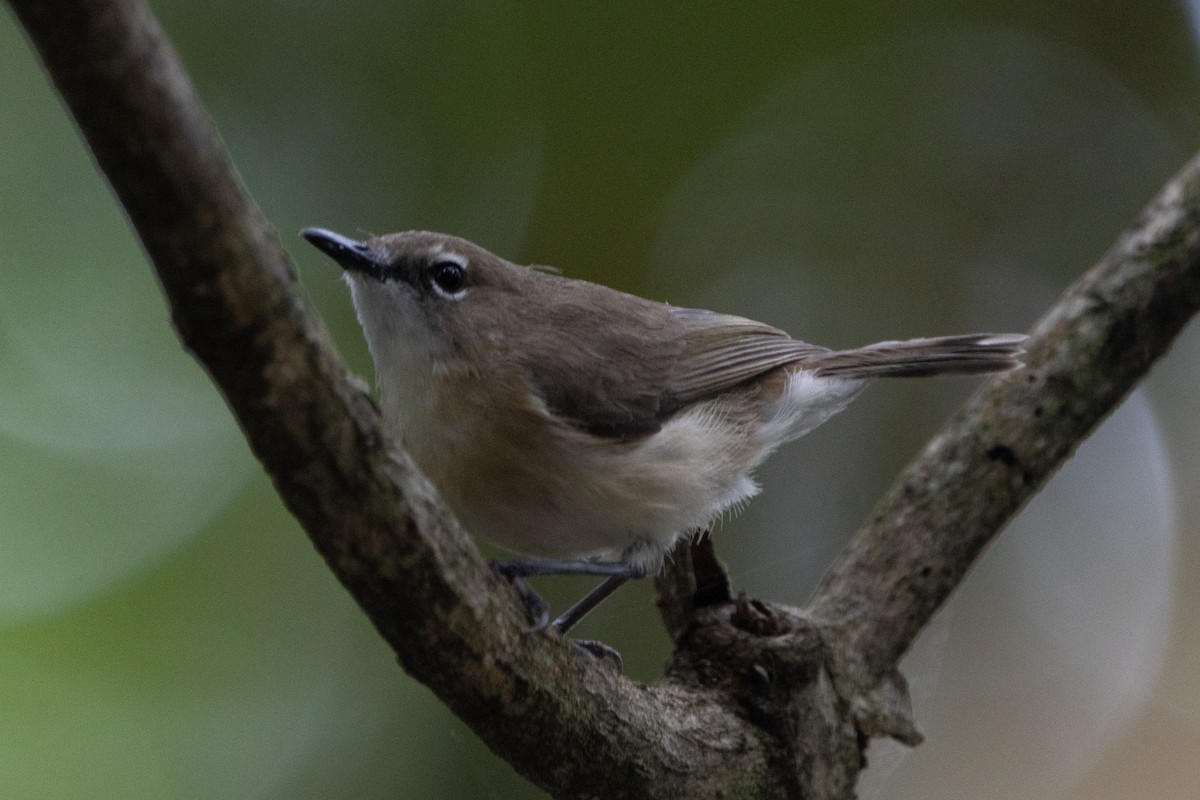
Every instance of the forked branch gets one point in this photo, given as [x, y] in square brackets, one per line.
[747, 709]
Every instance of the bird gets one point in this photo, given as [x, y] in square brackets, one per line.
[586, 429]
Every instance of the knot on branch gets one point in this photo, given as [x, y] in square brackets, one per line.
[789, 674]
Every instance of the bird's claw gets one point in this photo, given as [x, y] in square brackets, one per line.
[535, 606]
[600, 650]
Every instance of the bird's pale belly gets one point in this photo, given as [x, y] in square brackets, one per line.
[542, 487]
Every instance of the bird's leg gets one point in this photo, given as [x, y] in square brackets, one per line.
[572, 615]
[615, 573]
[566, 620]
[533, 567]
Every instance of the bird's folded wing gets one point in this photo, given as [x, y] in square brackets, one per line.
[721, 351]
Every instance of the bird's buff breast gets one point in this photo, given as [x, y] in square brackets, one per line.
[523, 479]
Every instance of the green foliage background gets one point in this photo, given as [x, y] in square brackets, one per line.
[850, 172]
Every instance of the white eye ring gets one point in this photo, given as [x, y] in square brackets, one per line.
[447, 275]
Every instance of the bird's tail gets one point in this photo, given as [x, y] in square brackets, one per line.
[965, 355]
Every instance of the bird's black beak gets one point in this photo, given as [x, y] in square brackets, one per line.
[352, 255]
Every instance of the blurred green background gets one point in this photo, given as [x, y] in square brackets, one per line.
[849, 172]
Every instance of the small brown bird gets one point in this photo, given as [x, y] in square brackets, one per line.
[587, 428]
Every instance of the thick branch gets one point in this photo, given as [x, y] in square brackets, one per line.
[1083, 358]
[236, 304]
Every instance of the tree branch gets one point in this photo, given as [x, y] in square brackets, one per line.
[1082, 359]
[376, 520]
[748, 707]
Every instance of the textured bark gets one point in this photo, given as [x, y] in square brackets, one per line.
[759, 700]
[1082, 359]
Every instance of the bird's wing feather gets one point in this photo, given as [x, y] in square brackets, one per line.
[722, 351]
[601, 360]
[618, 366]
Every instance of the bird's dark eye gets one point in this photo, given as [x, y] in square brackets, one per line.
[448, 277]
